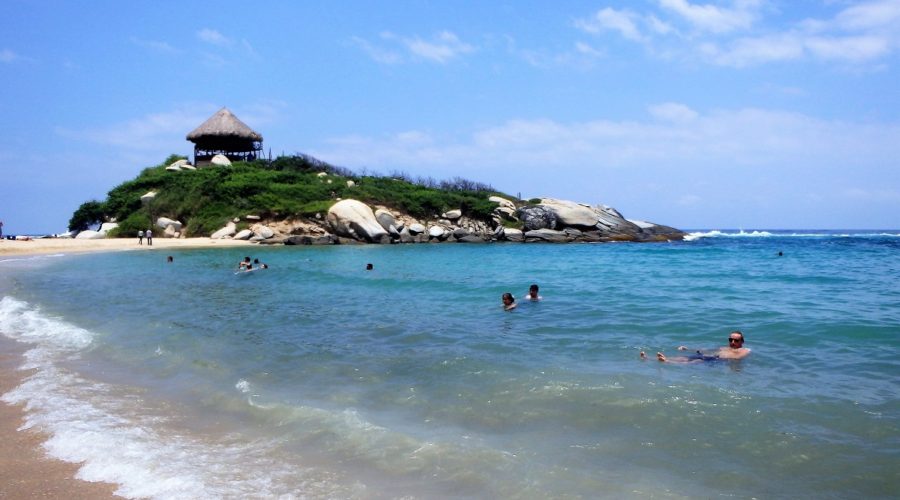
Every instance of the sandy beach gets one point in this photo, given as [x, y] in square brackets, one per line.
[66, 245]
[25, 470]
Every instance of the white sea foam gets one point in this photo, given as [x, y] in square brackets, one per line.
[117, 439]
[767, 234]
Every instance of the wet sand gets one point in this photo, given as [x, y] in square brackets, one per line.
[66, 245]
[25, 470]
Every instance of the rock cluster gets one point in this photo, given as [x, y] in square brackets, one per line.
[552, 221]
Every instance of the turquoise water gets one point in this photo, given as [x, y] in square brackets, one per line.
[319, 379]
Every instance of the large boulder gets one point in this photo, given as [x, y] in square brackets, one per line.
[308, 239]
[452, 214]
[243, 234]
[571, 214]
[385, 219]
[546, 235]
[262, 231]
[91, 235]
[416, 228]
[354, 219]
[511, 234]
[220, 160]
[537, 217]
[437, 232]
[148, 197]
[165, 222]
[108, 226]
[226, 232]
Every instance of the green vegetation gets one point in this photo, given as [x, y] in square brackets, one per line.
[291, 186]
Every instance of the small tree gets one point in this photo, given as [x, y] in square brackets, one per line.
[90, 212]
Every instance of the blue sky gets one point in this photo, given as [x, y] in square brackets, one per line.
[692, 113]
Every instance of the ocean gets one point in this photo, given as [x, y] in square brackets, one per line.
[318, 379]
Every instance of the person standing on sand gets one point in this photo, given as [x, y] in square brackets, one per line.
[141, 237]
[1, 229]
[149, 235]
[735, 350]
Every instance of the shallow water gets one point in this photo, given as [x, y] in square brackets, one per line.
[316, 378]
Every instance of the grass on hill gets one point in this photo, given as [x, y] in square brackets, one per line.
[290, 186]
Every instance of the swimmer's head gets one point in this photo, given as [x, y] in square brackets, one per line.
[736, 339]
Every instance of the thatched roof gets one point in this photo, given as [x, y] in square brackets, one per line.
[224, 124]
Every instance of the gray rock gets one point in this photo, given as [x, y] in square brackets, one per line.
[90, 235]
[220, 160]
[244, 234]
[569, 213]
[310, 240]
[264, 232]
[470, 238]
[452, 214]
[385, 218]
[547, 235]
[416, 228]
[164, 222]
[460, 232]
[354, 219]
[436, 232]
[537, 217]
[511, 234]
[225, 232]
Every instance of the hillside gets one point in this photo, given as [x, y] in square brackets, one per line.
[297, 193]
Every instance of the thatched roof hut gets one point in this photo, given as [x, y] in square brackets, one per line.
[223, 133]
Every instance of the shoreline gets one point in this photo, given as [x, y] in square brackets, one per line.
[25, 470]
[44, 246]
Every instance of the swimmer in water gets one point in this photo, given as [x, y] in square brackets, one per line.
[509, 302]
[734, 350]
[533, 294]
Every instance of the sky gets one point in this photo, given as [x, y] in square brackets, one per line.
[714, 114]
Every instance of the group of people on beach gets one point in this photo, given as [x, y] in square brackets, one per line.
[145, 234]
[734, 350]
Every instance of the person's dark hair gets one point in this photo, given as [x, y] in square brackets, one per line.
[256, 261]
[369, 267]
[533, 287]
[739, 333]
[509, 296]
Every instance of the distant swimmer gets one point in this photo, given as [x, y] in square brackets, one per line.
[369, 266]
[170, 259]
[533, 294]
[509, 302]
[244, 263]
[734, 350]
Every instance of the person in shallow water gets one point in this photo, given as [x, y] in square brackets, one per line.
[509, 302]
[533, 294]
[734, 350]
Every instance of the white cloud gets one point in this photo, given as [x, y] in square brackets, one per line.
[155, 45]
[863, 33]
[441, 48]
[673, 112]
[8, 56]
[153, 132]
[715, 19]
[623, 22]
[213, 37]
[676, 137]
